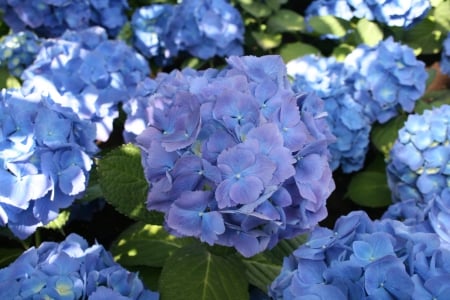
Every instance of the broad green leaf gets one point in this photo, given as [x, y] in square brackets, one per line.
[192, 272]
[148, 275]
[442, 17]
[368, 32]
[294, 50]
[261, 273]
[256, 9]
[285, 20]
[8, 255]
[60, 221]
[123, 184]
[329, 25]
[8, 81]
[341, 51]
[146, 245]
[267, 40]
[424, 38]
[384, 135]
[275, 4]
[432, 99]
[370, 189]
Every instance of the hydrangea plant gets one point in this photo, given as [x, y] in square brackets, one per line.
[418, 170]
[236, 158]
[46, 155]
[445, 56]
[70, 270]
[89, 73]
[18, 50]
[364, 259]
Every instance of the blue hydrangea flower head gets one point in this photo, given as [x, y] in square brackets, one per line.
[45, 159]
[418, 168]
[233, 157]
[386, 78]
[18, 50]
[326, 78]
[89, 73]
[390, 12]
[149, 25]
[364, 259]
[49, 18]
[204, 29]
[445, 56]
[70, 270]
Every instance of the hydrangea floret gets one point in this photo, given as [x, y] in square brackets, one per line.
[70, 270]
[235, 157]
[50, 18]
[445, 56]
[364, 259]
[386, 78]
[390, 12]
[418, 170]
[204, 29]
[46, 154]
[18, 51]
[89, 73]
[326, 78]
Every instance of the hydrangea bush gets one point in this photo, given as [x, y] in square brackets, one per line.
[204, 148]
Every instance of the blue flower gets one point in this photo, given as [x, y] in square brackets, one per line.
[445, 56]
[235, 168]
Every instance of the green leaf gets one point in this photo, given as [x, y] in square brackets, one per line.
[192, 272]
[261, 272]
[146, 245]
[267, 40]
[148, 275]
[7, 80]
[329, 25]
[442, 17]
[424, 38]
[8, 255]
[294, 50]
[384, 135]
[256, 9]
[123, 184]
[286, 20]
[60, 221]
[341, 51]
[370, 189]
[432, 99]
[368, 32]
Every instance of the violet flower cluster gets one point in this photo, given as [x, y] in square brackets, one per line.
[365, 259]
[203, 29]
[326, 78]
[50, 18]
[46, 154]
[235, 157]
[418, 171]
[18, 50]
[393, 13]
[445, 56]
[89, 73]
[70, 270]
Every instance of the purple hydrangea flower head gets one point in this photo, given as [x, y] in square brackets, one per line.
[245, 161]
[49, 18]
[364, 259]
[445, 56]
[18, 50]
[391, 12]
[70, 270]
[326, 78]
[149, 25]
[386, 78]
[418, 168]
[204, 29]
[45, 159]
[89, 73]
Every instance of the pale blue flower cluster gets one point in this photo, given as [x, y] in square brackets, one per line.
[45, 155]
[203, 29]
[326, 78]
[418, 170]
[390, 12]
[89, 73]
[50, 18]
[70, 270]
[18, 50]
[234, 157]
[364, 259]
[445, 56]
[386, 78]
